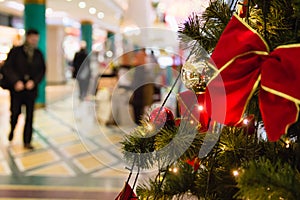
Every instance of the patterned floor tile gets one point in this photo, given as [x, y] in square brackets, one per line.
[17, 149]
[54, 170]
[55, 129]
[63, 138]
[4, 168]
[36, 159]
[77, 149]
[87, 163]
[114, 171]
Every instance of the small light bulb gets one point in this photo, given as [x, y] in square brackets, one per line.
[200, 107]
[150, 127]
[235, 173]
[287, 142]
[175, 169]
[245, 121]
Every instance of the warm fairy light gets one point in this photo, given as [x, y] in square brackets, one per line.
[175, 169]
[159, 178]
[287, 142]
[235, 173]
[150, 127]
[246, 121]
[191, 121]
[200, 107]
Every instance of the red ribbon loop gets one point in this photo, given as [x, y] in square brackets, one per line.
[243, 60]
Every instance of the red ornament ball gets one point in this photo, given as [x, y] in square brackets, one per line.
[162, 116]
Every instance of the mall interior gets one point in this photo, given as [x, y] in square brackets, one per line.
[77, 152]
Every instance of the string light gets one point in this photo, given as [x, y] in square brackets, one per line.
[235, 173]
[287, 143]
[246, 121]
[200, 107]
[175, 169]
[150, 127]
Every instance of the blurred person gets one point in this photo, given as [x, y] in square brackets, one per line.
[24, 69]
[82, 71]
[143, 86]
[121, 109]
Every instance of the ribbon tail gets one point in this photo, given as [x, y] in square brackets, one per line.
[278, 114]
[280, 94]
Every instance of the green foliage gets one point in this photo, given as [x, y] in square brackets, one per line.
[207, 28]
[139, 146]
[240, 166]
[275, 20]
[263, 179]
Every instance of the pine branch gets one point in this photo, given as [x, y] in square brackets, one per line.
[263, 179]
[205, 29]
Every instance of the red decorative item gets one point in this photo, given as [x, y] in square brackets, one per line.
[248, 65]
[177, 122]
[127, 193]
[162, 116]
[243, 9]
[195, 163]
[193, 108]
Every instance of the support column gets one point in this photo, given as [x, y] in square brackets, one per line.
[56, 73]
[34, 17]
[87, 34]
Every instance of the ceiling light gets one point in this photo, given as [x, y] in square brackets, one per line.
[69, 0]
[15, 5]
[92, 10]
[100, 15]
[49, 11]
[2, 0]
[82, 4]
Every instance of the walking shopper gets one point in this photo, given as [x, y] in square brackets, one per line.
[24, 69]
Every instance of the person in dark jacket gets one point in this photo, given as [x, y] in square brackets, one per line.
[82, 71]
[25, 68]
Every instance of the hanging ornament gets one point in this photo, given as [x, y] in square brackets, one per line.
[127, 193]
[196, 72]
[195, 163]
[162, 116]
[242, 8]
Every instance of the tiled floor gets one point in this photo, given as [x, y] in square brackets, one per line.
[75, 157]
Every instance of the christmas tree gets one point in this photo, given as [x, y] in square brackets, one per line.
[240, 161]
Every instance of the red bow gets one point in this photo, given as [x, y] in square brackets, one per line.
[243, 60]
